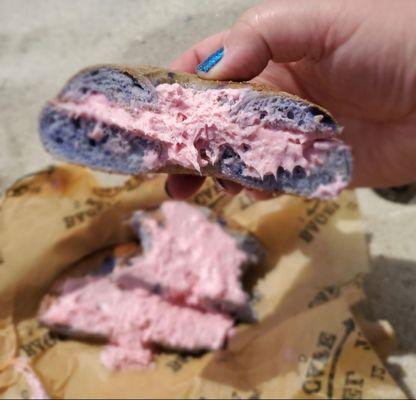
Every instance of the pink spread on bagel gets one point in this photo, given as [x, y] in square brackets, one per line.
[191, 259]
[170, 296]
[133, 321]
[194, 124]
[37, 391]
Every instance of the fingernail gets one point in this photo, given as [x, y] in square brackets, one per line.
[229, 187]
[220, 184]
[167, 190]
[211, 61]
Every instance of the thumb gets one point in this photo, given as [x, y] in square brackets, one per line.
[279, 30]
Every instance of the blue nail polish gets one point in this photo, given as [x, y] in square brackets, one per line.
[212, 60]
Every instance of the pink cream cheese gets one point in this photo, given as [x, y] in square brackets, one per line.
[134, 321]
[37, 390]
[327, 192]
[193, 125]
[192, 260]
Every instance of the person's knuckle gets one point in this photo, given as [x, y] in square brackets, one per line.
[251, 17]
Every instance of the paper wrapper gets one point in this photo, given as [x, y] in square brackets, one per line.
[307, 342]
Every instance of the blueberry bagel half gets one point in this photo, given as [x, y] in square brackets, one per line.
[146, 119]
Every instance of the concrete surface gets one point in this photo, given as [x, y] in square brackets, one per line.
[43, 42]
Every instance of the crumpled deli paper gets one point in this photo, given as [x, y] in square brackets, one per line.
[307, 342]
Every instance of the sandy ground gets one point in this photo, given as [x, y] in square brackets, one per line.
[43, 42]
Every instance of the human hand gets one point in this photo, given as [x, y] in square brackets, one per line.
[355, 58]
